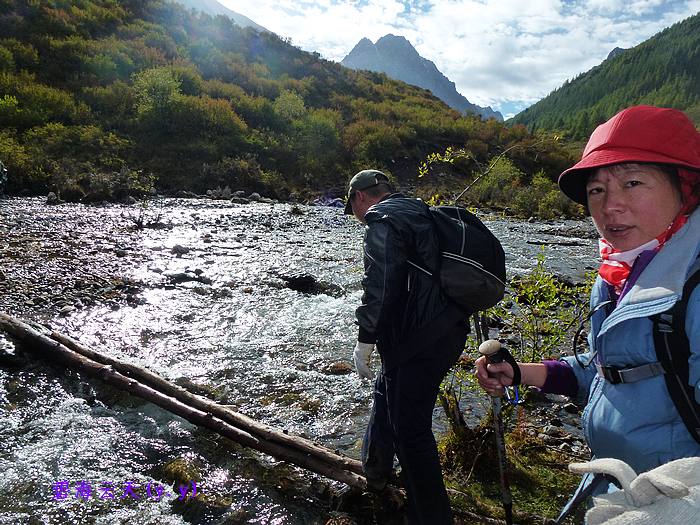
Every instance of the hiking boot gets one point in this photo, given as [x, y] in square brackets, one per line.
[376, 484]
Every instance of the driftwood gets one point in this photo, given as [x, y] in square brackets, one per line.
[195, 409]
[556, 243]
[227, 415]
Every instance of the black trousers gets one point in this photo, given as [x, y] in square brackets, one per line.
[401, 424]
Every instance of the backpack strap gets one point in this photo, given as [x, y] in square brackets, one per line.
[673, 352]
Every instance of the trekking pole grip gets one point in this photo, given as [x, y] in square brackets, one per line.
[495, 352]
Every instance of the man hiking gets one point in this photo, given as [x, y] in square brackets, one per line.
[418, 333]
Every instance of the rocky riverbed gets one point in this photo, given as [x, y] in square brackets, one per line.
[251, 302]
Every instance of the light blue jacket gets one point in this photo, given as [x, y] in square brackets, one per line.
[638, 422]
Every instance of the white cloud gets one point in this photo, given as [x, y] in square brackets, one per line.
[503, 53]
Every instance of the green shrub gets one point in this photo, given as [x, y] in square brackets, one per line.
[241, 173]
[7, 61]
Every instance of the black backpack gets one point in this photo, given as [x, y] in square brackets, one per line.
[472, 270]
[673, 351]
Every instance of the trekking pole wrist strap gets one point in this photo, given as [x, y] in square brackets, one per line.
[508, 358]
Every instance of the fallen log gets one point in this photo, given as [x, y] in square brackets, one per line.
[556, 243]
[225, 414]
[108, 373]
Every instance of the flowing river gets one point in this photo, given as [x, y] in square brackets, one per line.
[206, 305]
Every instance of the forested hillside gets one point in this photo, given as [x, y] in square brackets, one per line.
[96, 93]
[662, 71]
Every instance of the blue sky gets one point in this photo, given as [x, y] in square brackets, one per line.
[506, 54]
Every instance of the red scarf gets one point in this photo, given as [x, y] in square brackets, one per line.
[616, 265]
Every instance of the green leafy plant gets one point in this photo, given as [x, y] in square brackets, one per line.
[543, 311]
[537, 318]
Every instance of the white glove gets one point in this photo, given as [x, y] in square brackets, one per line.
[361, 355]
[668, 494]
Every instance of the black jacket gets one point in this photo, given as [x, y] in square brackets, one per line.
[403, 310]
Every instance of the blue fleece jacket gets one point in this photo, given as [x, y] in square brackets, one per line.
[638, 422]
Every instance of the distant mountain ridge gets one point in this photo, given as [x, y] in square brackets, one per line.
[214, 8]
[397, 58]
[662, 71]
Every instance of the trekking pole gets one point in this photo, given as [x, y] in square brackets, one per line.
[493, 351]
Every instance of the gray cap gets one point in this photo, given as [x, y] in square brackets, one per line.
[361, 181]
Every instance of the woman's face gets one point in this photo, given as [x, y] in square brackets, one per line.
[632, 203]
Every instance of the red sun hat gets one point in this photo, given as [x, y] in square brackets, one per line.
[636, 134]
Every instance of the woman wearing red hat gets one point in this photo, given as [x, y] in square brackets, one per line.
[639, 177]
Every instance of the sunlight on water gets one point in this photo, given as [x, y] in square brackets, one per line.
[214, 311]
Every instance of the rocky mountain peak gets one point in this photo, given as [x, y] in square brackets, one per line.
[395, 56]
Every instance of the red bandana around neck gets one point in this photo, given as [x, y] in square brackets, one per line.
[617, 265]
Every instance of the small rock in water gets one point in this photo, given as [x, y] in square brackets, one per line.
[179, 250]
[338, 368]
[66, 310]
[304, 282]
[52, 198]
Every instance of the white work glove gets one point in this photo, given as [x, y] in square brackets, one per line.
[668, 494]
[361, 355]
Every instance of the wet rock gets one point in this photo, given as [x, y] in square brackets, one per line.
[338, 368]
[181, 471]
[305, 283]
[52, 198]
[179, 250]
[240, 200]
[239, 194]
[553, 431]
[66, 310]
[571, 408]
[205, 390]
[236, 517]
[186, 276]
[255, 196]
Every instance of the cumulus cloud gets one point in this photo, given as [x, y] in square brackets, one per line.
[504, 53]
